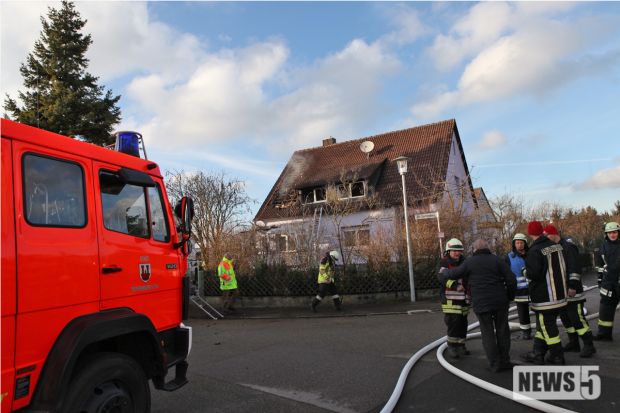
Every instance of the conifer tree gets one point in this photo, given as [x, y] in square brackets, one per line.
[60, 95]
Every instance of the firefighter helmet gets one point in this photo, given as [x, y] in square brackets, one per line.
[454, 245]
[612, 226]
[519, 237]
[335, 255]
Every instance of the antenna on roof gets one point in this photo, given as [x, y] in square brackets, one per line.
[367, 147]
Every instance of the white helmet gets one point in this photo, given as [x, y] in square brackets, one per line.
[612, 226]
[454, 245]
[519, 237]
[335, 255]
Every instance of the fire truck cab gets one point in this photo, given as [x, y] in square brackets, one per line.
[93, 291]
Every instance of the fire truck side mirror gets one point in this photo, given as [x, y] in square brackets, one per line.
[184, 210]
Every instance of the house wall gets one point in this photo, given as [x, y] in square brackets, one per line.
[379, 222]
[456, 169]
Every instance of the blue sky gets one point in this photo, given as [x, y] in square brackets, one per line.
[239, 86]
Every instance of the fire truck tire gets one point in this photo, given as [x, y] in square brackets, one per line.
[108, 382]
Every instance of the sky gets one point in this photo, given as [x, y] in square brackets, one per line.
[239, 86]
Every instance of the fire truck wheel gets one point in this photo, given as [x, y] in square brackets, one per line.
[109, 382]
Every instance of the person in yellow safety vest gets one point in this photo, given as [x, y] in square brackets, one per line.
[326, 281]
[454, 300]
[228, 283]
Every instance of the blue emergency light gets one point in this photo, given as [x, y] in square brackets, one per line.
[128, 142]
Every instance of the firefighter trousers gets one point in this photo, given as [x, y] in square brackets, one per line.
[547, 333]
[457, 328]
[607, 313]
[574, 319]
[523, 309]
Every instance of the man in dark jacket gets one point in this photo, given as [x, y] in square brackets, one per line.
[545, 268]
[609, 262]
[492, 287]
[573, 316]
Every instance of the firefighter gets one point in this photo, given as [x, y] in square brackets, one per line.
[546, 272]
[228, 283]
[492, 287]
[454, 300]
[573, 316]
[609, 263]
[326, 281]
[516, 260]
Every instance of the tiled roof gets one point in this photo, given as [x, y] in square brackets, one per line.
[426, 146]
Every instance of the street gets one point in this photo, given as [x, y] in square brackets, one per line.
[297, 362]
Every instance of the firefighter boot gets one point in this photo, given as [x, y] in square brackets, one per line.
[462, 350]
[453, 351]
[604, 334]
[315, 302]
[573, 343]
[537, 355]
[526, 334]
[337, 303]
[588, 349]
[555, 356]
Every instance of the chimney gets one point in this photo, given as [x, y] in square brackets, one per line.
[329, 141]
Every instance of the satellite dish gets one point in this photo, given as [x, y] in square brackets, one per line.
[367, 147]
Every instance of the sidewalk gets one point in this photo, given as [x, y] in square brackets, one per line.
[325, 309]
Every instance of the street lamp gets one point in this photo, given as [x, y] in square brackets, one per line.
[401, 162]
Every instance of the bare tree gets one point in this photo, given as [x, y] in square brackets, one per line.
[220, 205]
[511, 213]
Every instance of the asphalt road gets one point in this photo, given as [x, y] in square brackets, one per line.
[298, 362]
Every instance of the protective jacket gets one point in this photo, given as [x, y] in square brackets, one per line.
[571, 256]
[609, 260]
[326, 271]
[491, 282]
[545, 269]
[452, 300]
[516, 261]
[226, 272]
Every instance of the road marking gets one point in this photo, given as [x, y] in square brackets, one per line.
[303, 397]
[419, 311]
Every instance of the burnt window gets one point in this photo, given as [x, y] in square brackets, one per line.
[311, 196]
[54, 192]
[357, 189]
[352, 190]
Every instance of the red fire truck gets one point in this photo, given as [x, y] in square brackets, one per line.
[93, 290]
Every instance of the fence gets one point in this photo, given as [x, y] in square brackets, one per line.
[279, 280]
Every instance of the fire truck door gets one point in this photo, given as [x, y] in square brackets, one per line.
[139, 264]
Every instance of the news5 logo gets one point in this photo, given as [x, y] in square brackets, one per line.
[556, 382]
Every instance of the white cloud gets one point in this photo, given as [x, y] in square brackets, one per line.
[492, 140]
[525, 50]
[605, 178]
[125, 40]
[226, 97]
[408, 25]
[484, 23]
[20, 27]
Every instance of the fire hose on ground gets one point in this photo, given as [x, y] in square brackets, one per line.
[442, 344]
